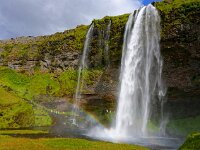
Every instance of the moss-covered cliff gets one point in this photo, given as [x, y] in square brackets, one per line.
[180, 43]
[47, 65]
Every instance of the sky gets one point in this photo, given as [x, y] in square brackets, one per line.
[43, 17]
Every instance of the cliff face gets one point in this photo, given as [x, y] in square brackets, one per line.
[180, 47]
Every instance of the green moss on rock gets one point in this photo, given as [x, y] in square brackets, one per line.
[192, 142]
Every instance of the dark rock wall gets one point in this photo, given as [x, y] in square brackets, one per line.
[180, 47]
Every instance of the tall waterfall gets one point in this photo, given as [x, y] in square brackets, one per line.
[140, 76]
[83, 65]
[141, 88]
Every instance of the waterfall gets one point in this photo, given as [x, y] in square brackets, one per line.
[140, 76]
[83, 65]
[106, 43]
[141, 88]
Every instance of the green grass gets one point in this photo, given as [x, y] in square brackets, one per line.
[13, 80]
[21, 132]
[41, 84]
[8, 98]
[16, 116]
[42, 118]
[192, 142]
[31, 86]
[7, 142]
[14, 112]
[68, 82]
[40, 87]
[166, 7]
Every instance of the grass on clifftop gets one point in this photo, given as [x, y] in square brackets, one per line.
[166, 6]
[175, 13]
[33, 48]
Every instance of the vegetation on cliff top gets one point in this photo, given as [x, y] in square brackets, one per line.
[34, 48]
[176, 12]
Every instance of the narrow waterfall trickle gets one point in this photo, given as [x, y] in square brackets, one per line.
[106, 42]
[83, 65]
[140, 77]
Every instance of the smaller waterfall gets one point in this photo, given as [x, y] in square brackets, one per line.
[106, 43]
[83, 65]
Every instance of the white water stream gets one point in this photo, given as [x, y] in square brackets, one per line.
[106, 42]
[140, 76]
[80, 82]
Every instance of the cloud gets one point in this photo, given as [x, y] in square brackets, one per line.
[41, 17]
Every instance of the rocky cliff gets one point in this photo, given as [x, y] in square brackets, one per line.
[180, 47]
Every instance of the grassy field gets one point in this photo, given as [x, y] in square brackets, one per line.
[21, 132]
[8, 142]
